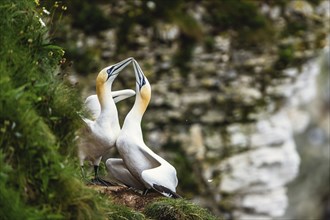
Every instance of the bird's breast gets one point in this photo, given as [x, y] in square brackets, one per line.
[106, 136]
[132, 155]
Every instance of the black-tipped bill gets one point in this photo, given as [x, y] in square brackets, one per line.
[140, 78]
[116, 68]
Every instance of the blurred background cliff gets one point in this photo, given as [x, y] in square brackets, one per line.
[240, 93]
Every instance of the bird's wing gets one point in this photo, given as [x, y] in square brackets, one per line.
[122, 94]
[92, 103]
[162, 180]
[88, 124]
[116, 168]
[161, 175]
[151, 158]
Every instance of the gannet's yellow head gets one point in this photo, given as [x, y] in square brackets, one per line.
[110, 73]
[107, 75]
[145, 92]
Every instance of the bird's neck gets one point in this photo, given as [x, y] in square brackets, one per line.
[109, 111]
[134, 117]
[104, 95]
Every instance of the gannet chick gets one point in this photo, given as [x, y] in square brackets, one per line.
[100, 134]
[140, 167]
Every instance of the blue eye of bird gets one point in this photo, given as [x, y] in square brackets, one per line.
[143, 81]
[109, 71]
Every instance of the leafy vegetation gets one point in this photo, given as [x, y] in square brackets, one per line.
[38, 121]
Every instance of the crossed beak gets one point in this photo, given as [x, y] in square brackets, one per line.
[140, 78]
[116, 68]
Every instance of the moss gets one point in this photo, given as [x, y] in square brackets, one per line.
[280, 3]
[171, 209]
[209, 43]
[232, 14]
[285, 56]
[314, 2]
[184, 55]
[295, 27]
[253, 29]
[226, 149]
[118, 212]
[88, 17]
[227, 203]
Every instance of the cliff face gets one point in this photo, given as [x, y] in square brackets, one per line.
[227, 82]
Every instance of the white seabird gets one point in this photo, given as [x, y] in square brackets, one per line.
[140, 167]
[100, 134]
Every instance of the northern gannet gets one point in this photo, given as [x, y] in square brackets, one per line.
[140, 167]
[100, 134]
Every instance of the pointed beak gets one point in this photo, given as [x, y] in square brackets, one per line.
[139, 76]
[116, 68]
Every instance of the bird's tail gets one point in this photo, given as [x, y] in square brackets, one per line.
[166, 191]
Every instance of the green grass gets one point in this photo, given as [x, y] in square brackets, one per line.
[170, 209]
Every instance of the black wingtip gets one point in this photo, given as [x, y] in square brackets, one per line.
[166, 191]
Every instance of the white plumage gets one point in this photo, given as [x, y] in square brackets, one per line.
[101, 132]
[140, 163]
